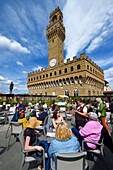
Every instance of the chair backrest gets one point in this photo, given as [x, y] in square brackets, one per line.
[16, 127]
[45, 123]
[48, 124]
[12, 109]
[70, 161]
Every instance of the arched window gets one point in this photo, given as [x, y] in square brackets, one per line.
[75, 92]
[78, 67]
[72, 68]
[65, 70]
[60, 72]
[71, 80]
[54, 18]
[67, 92]
[76, 80]
[89, 93]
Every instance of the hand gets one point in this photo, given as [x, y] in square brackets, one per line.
[80, 127]
[39, 148]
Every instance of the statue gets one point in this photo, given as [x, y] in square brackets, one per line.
[11, 87]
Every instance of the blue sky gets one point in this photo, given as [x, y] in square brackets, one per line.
[23, 43]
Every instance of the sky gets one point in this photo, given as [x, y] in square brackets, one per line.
[23, 43]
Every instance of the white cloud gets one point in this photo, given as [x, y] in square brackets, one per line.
[24, 39]
[19, 63]
[96, 42]
[4, 84]
[20, 88]
[86, 21]
[24, 72]
[37, 68]
[104, 61]
[2, 78]
[109, 76]
[12, 45]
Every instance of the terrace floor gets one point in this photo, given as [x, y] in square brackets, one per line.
[11, 159]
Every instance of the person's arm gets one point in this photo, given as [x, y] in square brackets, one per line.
[52, 149]
[101, 107]
[28, 147]
[54, 123]
[62, 119]
[86, 130]
[83, 114]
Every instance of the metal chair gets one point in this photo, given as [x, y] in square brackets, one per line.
[97, 151]
[42, 129]
[25, 154]
[71, 161]
[16, 130]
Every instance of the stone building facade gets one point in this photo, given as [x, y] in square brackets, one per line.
[77, 77]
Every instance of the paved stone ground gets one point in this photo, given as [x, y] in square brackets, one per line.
[11, 159]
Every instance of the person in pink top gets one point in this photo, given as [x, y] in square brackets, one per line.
[91, 131]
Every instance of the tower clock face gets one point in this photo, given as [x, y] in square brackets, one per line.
[52, 62]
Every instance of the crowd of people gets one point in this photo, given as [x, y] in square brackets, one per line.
[90, 124]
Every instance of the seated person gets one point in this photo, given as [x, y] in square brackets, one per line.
[22, 118]
[33, 143]
[16, 115]
[42, 115]
[64, 142]
[21, 105]
[56, 119]
[33, 113]
[91, 131]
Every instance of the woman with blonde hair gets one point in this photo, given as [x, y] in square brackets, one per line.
[64, 141]
[102, 110]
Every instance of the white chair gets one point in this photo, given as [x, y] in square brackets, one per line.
[71, 161]
[3, 119]
[12, 109]
[16, 130]
[25, 154]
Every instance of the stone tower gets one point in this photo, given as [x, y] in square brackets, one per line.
[55, 34]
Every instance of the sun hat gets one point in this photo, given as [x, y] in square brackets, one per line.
[93, 116]
[99, 100]
[33, 122]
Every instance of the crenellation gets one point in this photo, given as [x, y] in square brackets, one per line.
[68, 60]
[83, 56]
[74, 58]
